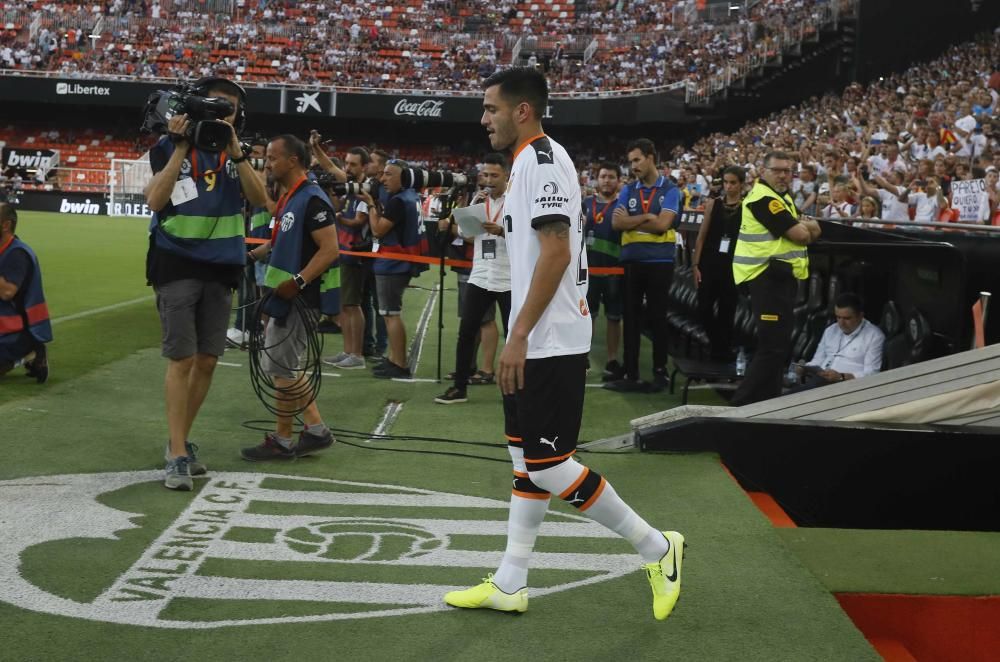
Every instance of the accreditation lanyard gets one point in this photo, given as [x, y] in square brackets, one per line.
[194, 164]
[7, 245]
[282, 201]
[599, 218]
[493, 218]
[842, 346]
[646, 202]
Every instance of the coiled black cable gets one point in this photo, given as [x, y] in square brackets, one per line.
[306, 388]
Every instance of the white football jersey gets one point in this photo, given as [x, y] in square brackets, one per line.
[543, 187]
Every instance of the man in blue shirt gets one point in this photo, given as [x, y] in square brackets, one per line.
[648, 210]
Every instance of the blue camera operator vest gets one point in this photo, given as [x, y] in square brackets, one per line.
[286, 252]
[36, 312]
[406, 240]
[210, 227]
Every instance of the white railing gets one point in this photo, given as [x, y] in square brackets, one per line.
[701, 92]
[589, 52]
[515, 52]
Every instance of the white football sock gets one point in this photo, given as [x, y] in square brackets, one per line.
[603, 506]
[523, 521]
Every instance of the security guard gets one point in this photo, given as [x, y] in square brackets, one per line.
[770, 256]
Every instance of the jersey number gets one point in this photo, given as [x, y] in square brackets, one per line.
[209, 181]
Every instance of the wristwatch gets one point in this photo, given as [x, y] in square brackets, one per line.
[300, 281]
[241, 159]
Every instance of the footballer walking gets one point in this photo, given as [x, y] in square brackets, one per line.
[543, 365]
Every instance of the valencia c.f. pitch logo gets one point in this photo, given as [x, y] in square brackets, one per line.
[246, 542]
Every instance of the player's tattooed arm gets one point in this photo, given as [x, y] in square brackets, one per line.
[555, 229]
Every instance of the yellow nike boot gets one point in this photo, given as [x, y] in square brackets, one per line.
[665, 576]
[488, 596]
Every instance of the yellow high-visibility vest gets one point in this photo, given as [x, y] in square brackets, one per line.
[755, 246]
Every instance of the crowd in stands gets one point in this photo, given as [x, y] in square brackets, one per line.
[418, 44]
[891, 150]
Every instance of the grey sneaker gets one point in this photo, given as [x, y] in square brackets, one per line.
[178, 474]
[334, 360]
[350, 362]
[197, 468]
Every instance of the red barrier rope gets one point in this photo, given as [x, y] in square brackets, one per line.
[426, 259]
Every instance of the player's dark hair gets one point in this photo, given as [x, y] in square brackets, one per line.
[295, 147]
[496, 158]
[522, 84]
[608, 165]
[849, 300]
[362, 153]
[644, 145]
[381, 154]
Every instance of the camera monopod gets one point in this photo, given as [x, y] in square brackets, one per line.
[448, 203]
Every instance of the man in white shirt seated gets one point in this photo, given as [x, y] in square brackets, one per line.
[849, 349]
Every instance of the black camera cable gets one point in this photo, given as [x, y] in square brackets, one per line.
[263, 384]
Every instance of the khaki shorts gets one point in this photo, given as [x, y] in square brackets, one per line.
[352, 282]
[194, 316]
[286, 344]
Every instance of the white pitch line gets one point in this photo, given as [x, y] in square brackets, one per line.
[331, 374]
[102, 309]
[389, 416]
[426, 314]
[230, 365]
[413, 380]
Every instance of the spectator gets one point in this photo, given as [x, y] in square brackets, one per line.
[928, 199]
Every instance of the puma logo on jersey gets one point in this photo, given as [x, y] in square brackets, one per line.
[552, 443]
[546, 154]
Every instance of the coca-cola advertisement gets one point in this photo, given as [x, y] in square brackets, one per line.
[429, 108]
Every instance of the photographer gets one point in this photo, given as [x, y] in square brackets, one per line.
[24, 315]
[196, 254]
[376, 337]
[353, 234]
[397, 229]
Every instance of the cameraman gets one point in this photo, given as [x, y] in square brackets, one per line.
[397, 228]
[196, 254]
[353, 234]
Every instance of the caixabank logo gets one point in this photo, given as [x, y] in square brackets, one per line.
[247, 542]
